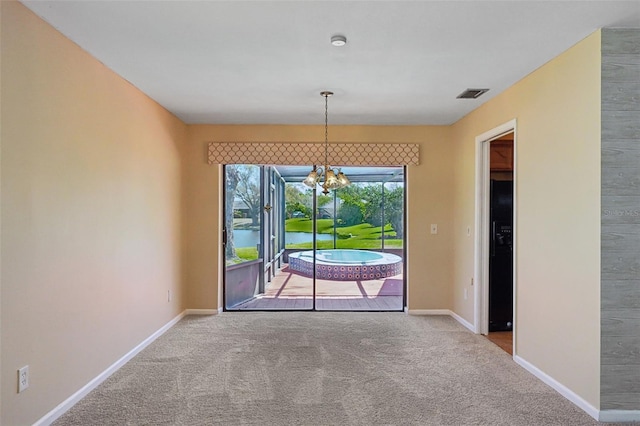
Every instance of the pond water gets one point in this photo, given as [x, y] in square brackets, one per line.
[249, 238]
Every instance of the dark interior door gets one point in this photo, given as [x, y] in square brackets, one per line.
[501, 257]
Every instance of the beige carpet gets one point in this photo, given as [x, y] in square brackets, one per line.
[322, 368]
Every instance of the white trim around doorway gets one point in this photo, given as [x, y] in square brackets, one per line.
[481, 237]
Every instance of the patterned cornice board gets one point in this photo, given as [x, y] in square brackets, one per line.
[300, 154]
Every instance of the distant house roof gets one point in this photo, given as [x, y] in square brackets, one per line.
[240, 205]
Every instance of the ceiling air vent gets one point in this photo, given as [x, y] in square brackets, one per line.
[472, 93]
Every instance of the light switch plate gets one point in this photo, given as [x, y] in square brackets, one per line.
[434, 228]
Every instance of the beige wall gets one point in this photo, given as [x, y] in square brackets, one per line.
[557, 261]
[429, 201]
[91, 216]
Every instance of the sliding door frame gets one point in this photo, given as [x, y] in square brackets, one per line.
[266, 242]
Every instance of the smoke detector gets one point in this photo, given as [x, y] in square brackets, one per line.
[338, 40]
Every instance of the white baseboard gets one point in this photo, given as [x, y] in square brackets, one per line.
[608, 416]
[559, 387]
[463, 321]
[615, 416]
[203, 311]
[449, 312]
[429, 312]
[63, 407]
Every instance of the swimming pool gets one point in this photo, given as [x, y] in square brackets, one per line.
[346, 265]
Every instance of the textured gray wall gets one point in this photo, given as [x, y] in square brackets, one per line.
[620, 255]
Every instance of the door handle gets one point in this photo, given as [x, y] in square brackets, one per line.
[493, 238]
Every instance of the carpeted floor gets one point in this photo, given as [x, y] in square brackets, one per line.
[322, 368]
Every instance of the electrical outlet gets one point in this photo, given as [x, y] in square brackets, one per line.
[168, 295]
[23, 378]
[434, 228]
[465, 294]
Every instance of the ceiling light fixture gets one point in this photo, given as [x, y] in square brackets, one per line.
[338, 40]
[332, 179]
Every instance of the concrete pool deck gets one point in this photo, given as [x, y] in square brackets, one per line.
[289, 290]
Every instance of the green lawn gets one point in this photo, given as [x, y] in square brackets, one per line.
[324, 226]
[362, 236]
[247, 253]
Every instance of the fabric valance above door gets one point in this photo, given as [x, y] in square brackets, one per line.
[309, 153]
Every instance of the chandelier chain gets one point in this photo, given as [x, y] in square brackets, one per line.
[326, 130]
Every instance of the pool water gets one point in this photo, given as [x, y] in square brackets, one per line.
[347, 256]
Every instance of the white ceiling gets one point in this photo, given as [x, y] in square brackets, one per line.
[265, 62]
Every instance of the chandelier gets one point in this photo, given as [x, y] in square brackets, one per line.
[332, 179]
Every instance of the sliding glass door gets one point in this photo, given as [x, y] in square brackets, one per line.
[289, 247]
[253, 237]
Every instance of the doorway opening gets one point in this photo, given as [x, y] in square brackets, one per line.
[495, 240]
[289, 247]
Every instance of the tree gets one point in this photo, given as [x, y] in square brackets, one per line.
[297, 200]
[248, 190]
[394, 209]
[231, 184]
[351, 211]
[349, 214]
[364, 203]
[372, 198]
[322, 201]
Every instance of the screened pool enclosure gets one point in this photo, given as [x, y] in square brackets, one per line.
[289, 247]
